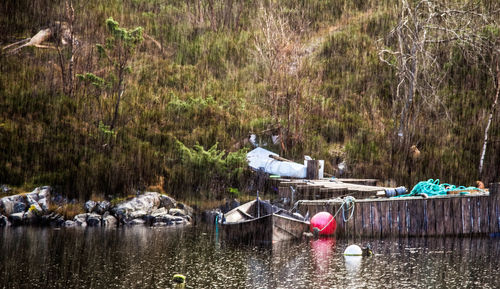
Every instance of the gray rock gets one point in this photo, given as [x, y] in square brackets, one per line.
[147, 202]
[69, 223]
[229, 205]
[158, 212]
[167, 202]
[33, 195]
[189, 211]
[209, 216]
[162, 224]
[89, 206]
[137, 222]
[4, 221]
[17, 218]
[45, 192]
[138, 214]
[41, 196]
[162, 216]
[94, 220]
[4, 189]
[177, 212]
[30, 217]
[80, 219]
[8, 204]
[44, 204]
[181, 222]
[52, 219]
[165, 218]
[19, 207]
[33, 202]
[109, 221]
[102, 207]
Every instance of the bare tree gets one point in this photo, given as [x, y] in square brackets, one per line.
[490, 118]
[424, 30]
[276, 50]
[66, 33]
[425, 27]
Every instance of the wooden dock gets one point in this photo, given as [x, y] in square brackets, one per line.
[294, 190]
[451, 215]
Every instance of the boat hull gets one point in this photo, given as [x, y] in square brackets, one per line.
[265, 230]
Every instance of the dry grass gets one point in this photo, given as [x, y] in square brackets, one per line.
[158, 187]
[203, 205]
[97, 197]
[69, 211]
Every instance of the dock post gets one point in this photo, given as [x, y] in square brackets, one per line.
[312, 171]
[494, 190]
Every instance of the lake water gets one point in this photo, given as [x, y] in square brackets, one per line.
[141, 257]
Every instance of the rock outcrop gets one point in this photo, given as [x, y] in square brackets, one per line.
[150, 208]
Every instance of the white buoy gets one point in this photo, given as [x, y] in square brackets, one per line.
[353, 250]
[352, 264]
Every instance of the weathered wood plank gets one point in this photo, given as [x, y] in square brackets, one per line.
[350, 225]
[466, 217]
[439, 209]
[484, 220]
[358, 220]
[403, 214]
[312, 169]
[431, 217]
[385, 218]
[448, 217]
[491, 214]
[395, 219]
[424, 217]
[411, 210]
[420, 217]
[475, 215]
[340, 220]
[367, 220]
[377, 229]
[457, 216]
[495, 214]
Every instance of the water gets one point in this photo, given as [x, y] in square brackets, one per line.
[143, 257]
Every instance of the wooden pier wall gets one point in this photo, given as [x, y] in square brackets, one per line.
[451, 215]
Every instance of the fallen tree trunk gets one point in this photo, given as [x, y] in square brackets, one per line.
[35, 41]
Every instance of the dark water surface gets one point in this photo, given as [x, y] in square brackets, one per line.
[141, 257]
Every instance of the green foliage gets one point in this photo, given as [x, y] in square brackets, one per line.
[234, 192]
[206, 172]
[92, 79]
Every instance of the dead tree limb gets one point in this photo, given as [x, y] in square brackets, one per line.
[156, 42]
[36, 41]
[486, 130]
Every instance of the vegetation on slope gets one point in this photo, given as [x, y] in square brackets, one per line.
[209, 73]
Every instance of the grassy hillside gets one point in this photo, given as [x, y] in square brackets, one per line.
[216, 71]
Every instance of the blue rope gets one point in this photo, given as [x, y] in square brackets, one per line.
[433, 188]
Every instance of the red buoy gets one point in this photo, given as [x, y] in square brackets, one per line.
[324, 222]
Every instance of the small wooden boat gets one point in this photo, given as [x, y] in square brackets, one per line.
[259, 222]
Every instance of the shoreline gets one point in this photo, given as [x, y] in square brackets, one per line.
[42, 207]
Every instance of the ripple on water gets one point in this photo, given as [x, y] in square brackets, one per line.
[148, 258]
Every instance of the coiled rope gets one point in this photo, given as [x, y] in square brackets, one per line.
[433, 188]
[347, 205]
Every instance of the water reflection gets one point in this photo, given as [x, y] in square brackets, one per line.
[143, 257]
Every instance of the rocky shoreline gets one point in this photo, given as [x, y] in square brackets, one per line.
[41, 207]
